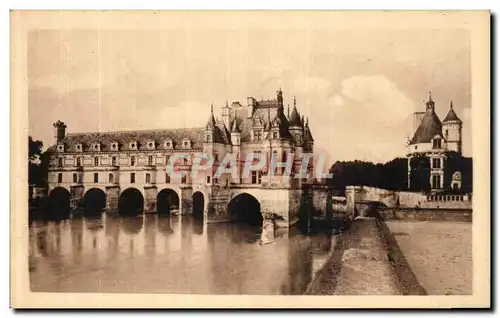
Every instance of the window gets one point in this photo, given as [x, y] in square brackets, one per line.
[75, 178]
[132, 177]
[259, 177]
[113, 161]
[436, 163]
[167, 178]
[446, 133]
[59, 162]
[78, 161]
[216, 180]
[275, 135]
[96, 177]
[59, 177]
[209, 138]
[183, 179]
[96, 161]
[167, 158]
[254, 177]
[185, 161]
[148, 178]
[216, 157]
[436, 143]
[436, 181]
[111, 178]
[150, 160]
[208, 179]
[132, 161]
[258, 135]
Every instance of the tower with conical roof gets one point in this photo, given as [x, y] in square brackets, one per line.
[295, 126]
[210, 128]
[452, 130]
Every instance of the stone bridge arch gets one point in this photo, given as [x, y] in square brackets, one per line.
[59, 206]
[131, 202]
[245, 208]
[364, 201]
[94, 202]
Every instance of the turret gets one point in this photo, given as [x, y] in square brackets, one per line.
[295, 126]
[235, 134]
[279, 97]
[210, 126]
[452, 130]
[59, 131]
[429, 105]
[225, 116]
[308, 138]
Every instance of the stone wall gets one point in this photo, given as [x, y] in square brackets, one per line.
[409, 214]
[112, 197]
[150, 200]
[295, 199]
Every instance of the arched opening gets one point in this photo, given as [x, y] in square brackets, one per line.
[59, 204]
[94, 203]
[131, 202]
[245, 208]
[167, 201]
[198, 205]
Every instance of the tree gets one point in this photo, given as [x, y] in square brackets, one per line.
[37, 163]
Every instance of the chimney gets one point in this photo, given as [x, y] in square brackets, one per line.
[250, 106]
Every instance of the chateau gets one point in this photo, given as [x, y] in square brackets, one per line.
[124, 172]
[435, 160]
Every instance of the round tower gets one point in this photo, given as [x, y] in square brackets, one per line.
[452, 130]
[59, 131]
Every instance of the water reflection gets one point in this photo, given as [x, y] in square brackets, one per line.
[176, 254]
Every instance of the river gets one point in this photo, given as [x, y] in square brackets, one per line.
[175, 254]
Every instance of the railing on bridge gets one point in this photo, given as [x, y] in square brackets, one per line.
[449, 197]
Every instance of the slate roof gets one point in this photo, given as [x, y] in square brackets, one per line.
[195, 135]
[429, 127]
[451, 116]
[295, 118]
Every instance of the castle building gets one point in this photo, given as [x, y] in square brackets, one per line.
[434, 153]
[125, 172]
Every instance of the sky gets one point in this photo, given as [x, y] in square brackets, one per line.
[358, 87]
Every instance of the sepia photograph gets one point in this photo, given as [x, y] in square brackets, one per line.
[258, 159]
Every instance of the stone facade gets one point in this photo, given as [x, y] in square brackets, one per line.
[117, 161]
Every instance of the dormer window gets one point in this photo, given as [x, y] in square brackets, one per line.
[151, 144]
[114, 146]
[96, 146]
[186, 143]
[257, 135]
[60, 147]
[168, 144]
[436, 143]
[208, 138]
[133, 145]
[78, 147]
